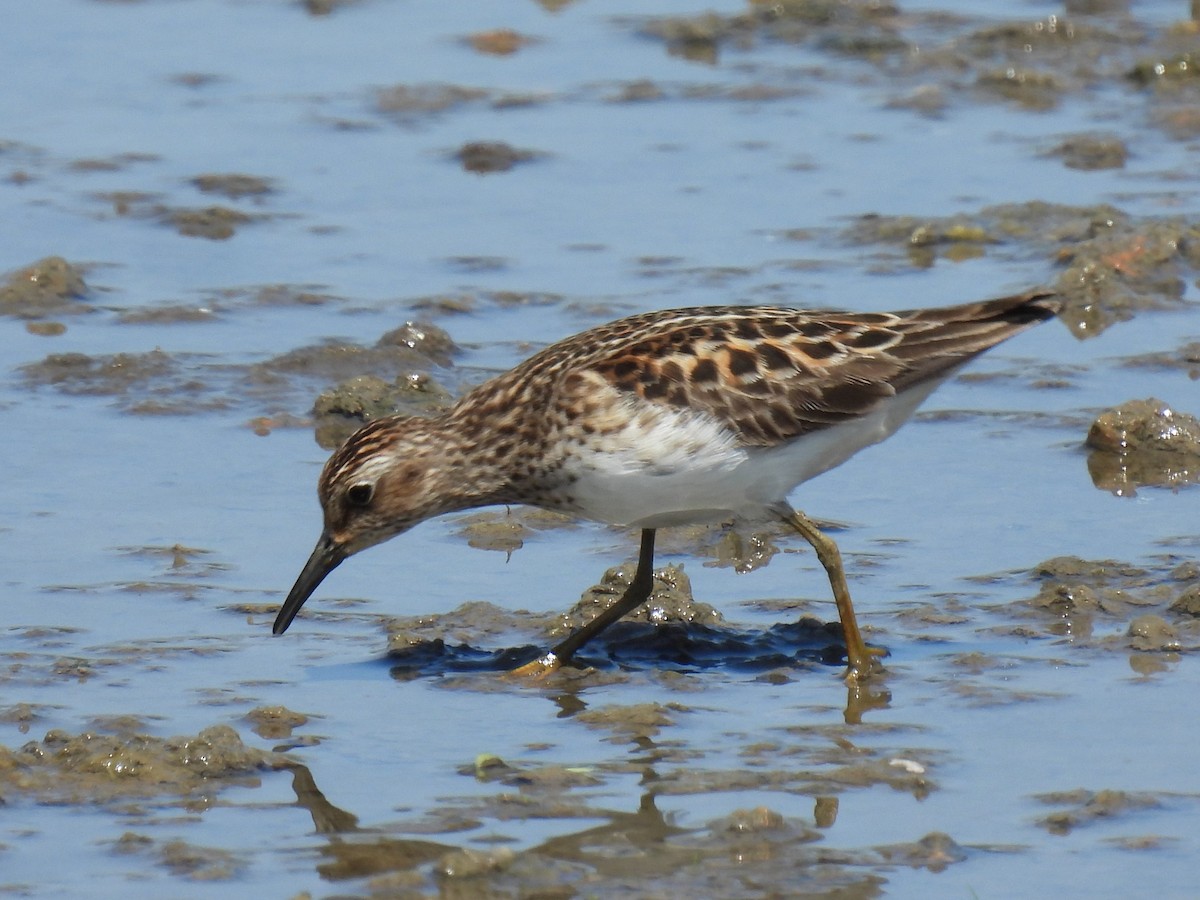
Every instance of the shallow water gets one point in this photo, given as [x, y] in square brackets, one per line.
[158, 507]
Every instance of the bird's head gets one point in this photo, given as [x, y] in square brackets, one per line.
[388, 476]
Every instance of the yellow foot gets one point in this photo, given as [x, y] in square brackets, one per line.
[859, 671]
[539, 668]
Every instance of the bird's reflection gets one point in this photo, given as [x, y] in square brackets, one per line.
[644, 843]
[327, 818]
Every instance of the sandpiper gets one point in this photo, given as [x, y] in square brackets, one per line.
[683, 416]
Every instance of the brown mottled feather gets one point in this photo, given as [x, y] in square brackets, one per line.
[768, 374]
[772, 374]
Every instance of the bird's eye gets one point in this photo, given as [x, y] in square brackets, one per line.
[360, 494]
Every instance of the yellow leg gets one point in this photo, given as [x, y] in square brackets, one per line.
[861, 659]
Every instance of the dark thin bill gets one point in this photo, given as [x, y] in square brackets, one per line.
[326, 557]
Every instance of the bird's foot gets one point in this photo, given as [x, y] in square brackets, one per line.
[538, 668]
[865, 665]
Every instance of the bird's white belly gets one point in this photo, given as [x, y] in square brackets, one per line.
[680, 467]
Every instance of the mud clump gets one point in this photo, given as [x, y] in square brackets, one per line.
[434, 343]
[1081, 599]
[416, 641]
[673, 625]
[275, 722]
[1188, 603]
[1117, 266]
[1169, 72]
[670, 601]
[343, 409]
[363, 392]
[157, 382]
[861, 30]
[21, 714]
[397, 352]
[94, 768]
[326, 7]
[935, 852]
[751, 821]
[482, 157]
[1112, 265]
[1088, 807]
[50, 286]
[174, 314]
[406, 102]
[368, 397]
[1145, 425]
[1153, 634]
[233, 186]
[214, 223]
[1091, 152]
[1143, 443]
[1035, 65]
[153, 383]
[926, 240]
[1029, 88]
[467, 863]
[499, 41]
[78, 373]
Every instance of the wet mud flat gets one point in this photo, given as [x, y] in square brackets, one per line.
[186, 336]
[795, 771]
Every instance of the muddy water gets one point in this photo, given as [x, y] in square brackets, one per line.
[219, 218]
